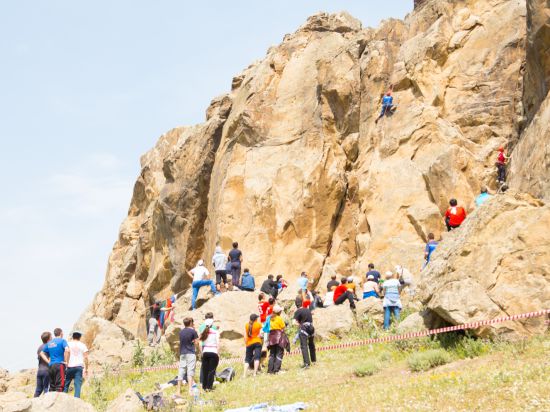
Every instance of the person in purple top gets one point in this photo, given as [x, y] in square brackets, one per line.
[235, 258]
[42, 374]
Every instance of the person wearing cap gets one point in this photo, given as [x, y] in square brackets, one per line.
[277, 341]
[210, 343]
[77, 367]
[200, 276]
[371, 288]
[253, 342]
[306, 332]
[392, 301]
[352, 286]
[482, 197]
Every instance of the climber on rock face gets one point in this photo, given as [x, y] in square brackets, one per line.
[236, 258]
[454, 216]
[501, 165]
[200, 276]
[482, 197]
[387, 106]
[431, 245]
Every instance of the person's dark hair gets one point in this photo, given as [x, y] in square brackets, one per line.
[187, 322]
[209, 315]
[371, 265]
[261, 297]
[344, 280]
[253, 318]
[453, 202]
[246, 270]
[279, 277]
[303, 274]
[271, 300]
[77, 335]
[431, 236]
[235, 245]
[333, 277]
[299, 302]
[204, 333]
[46, 336]
[270, 277]
[57, 332]
[483, 190]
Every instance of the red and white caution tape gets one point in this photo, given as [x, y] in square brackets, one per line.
[371, 341]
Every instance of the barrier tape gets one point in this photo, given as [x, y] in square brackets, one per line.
[364, 342]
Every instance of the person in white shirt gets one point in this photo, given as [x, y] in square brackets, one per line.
[210, 343]
[77, 367]
[200, 276]
[219, 261]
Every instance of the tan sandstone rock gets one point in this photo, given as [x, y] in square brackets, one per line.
[126, 402]
[292, 164]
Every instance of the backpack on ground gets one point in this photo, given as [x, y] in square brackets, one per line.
[226, 375]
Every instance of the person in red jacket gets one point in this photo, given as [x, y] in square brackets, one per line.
[454, 216]
[341, 294]
[501, 165]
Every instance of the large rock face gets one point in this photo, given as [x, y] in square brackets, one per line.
[292, 164]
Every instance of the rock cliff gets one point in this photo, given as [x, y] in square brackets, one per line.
[291, 163]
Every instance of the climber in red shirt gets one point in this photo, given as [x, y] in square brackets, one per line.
[341, 294]
[501, 165]
[454, 216]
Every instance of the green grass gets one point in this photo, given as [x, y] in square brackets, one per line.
[481, 375]
[422, 361]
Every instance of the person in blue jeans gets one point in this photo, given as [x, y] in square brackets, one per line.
[431, 245]
[392, 301]
[78, 364]
[43, 373]
[200, 276]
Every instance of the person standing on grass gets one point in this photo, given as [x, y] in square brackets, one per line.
[277, 341]
[200, 276]
[210, 343]
[236, 259]
[341, 294]
[42, 374]
[304, 320]
[392, 301]
[56, 353]
[219, 261]
[188, 357]
[77, 367]
[253, 342]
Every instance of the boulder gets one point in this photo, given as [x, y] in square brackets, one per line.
[126, 402]
[496, 264]
[370, 310]
[333, 321]
[51, 402]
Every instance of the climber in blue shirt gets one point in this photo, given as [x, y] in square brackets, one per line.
[431, 245]
[387, 106]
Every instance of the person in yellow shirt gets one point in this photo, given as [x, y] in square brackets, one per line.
[253, 342]
[277, 341]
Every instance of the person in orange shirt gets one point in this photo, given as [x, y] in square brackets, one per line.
[253, 342]
[454, 216]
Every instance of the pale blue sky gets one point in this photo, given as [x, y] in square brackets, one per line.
[85, 89]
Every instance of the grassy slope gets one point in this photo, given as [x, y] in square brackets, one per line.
[501, 376]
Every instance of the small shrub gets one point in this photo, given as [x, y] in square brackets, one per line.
[368, 368]
[471, 348]
[422, 361]
[385, 356]
[138, 356]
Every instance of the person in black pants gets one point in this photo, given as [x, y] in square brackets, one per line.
[210, 342]
[341, 294]
[43, 374]
[306, 333]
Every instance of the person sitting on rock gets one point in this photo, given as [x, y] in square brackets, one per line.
[306, 332]
[405, 278]
[269, 287]
[277, 341]
[482, 197]
[253, 342]
[281, 283]
[392, 302]
[352, 286]
[247, 282]
[341, 294]
[219, 261]
[454, 216]
[371, 288]
[501, 165]
[431, 245]
[387, 106]
[374, 273]
[200, 276]
[332, 283]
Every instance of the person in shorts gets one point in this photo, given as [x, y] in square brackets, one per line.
[253, 342]
[189, 340]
